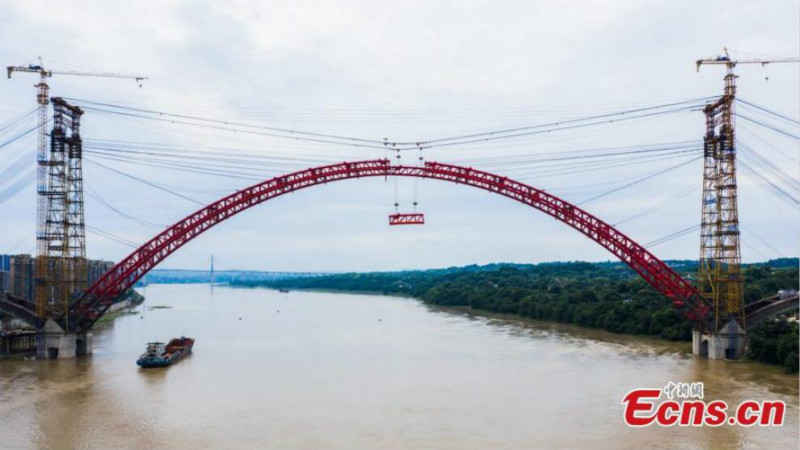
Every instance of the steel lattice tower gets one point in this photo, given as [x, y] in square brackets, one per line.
[42, 159]
[76, 227]
[61, 261]
[720, 278]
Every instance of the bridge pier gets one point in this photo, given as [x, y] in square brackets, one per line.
[55, 343]
[729, 343]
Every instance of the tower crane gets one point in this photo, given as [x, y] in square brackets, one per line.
[43, 98]
[731, 63]
[44, 161]
[44, 73]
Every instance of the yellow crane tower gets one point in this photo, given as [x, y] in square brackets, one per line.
[720, 279]
[53, 286]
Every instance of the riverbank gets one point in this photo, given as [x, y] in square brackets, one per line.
[605, 296]
[572, 329]
[123, 306]
[660, 346]
[109, 317]
[653, 344]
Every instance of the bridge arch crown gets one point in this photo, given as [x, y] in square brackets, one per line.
[128, 271]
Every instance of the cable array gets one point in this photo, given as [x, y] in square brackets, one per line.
[248, 164]
[339, 140]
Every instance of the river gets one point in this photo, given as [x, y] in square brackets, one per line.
[310, 370]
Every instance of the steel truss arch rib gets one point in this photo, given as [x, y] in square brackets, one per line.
[127, 272]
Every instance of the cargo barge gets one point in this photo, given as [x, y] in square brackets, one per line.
[159, 354]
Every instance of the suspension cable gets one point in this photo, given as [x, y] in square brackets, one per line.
[92, 193]
[15, 120]
[768, 111]
[672, 236]
[144, 181]
[784, 177]
[659, 206]
[228, 122]
[632, 183]
[111, 236]
[782, 193]
[492, 136]
[19, 136]
[227, 128]
[568, 121]
[775, 129]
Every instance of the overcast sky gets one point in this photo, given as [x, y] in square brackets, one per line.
[406, 71]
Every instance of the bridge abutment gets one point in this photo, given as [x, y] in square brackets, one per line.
[729, 343]
[55, 343]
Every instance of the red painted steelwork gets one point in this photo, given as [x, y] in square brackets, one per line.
[407, 219]
[125, 273]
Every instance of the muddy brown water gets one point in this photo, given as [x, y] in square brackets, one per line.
[310, 370]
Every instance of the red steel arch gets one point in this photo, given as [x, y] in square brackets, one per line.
[125, 273]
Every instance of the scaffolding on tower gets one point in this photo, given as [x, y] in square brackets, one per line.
[720, 280]
[60, 271]
[61, 262]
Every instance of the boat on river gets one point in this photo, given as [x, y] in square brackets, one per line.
[159, 354]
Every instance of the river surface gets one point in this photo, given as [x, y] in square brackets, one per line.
[310, 370]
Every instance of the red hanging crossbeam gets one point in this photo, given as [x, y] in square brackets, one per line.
[407, 219]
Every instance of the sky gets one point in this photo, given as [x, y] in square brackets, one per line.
[405, 71]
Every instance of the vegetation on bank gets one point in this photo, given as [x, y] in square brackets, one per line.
[113, 315]
[598, 295]
[775, 343]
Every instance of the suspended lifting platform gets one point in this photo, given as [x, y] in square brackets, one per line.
[407, 219]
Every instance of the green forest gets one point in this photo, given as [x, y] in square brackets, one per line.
[606, 295]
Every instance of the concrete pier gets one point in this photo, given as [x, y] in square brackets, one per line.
[729, 343]
[58, 344]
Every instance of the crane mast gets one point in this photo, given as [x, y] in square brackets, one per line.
[60, 268]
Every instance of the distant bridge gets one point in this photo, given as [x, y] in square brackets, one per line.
[203, 276]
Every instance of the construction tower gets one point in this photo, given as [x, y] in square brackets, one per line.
[61, 260]
[60, 268]
[720, 279]
[720, 276]
[66, 133]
